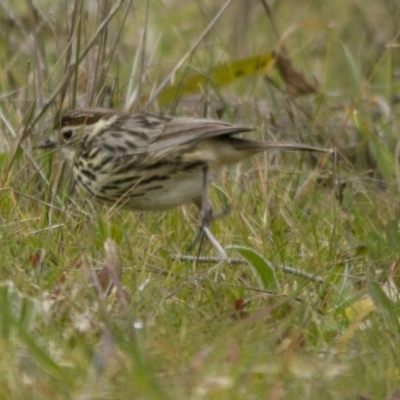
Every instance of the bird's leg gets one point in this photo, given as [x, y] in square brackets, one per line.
[206, 218]
[206, 209]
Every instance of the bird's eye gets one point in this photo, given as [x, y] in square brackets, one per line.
[67, 135]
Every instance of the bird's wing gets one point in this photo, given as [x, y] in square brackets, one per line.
[135, 134]
[181, 131]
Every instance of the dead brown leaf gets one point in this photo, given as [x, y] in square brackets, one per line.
[296, 83]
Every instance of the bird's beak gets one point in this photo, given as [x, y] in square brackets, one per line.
[46, 144]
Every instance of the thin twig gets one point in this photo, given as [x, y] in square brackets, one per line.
[216, 260]
[49, 228]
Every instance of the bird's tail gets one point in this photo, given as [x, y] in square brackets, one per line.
[291, 147]
[230, 150]
[256, 146]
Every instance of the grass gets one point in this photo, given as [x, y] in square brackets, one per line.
[176, 329]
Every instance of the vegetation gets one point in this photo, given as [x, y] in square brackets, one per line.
[103, 303]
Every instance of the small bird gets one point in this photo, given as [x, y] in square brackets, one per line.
[151, 162]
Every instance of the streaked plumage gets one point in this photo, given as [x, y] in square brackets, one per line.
[150, 162]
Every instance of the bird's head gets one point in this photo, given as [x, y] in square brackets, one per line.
[73, 129]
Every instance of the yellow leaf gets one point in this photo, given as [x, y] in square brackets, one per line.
[222, 75]
[359, 310]
[356, 313]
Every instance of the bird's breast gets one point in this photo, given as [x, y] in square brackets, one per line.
[155, 187]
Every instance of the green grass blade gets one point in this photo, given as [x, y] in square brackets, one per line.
[263, 268]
